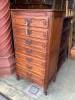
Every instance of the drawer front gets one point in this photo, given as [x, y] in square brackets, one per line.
[29, 42]
[31, 52]
[31, 76]
[29, 59]
[23, 61]
[26, 21]
[31, 68]
[22, 13]
[31, 32]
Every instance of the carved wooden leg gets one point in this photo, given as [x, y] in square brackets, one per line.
[45, 92]
[45, 89]
[18, 77]
[54, 78]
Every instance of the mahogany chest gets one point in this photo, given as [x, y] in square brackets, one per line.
[37, 35]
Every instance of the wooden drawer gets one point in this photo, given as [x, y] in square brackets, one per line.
[31, 68]
[31, 52]
[30, 21]
[40, 30]
[22, 31]
[30, 59]
[30, 76]
[23, 61]
[31, 42]
[22, 13]
[41, 50]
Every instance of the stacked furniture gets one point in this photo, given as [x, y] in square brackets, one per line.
[50, 4]
[70, 7]
[64, 41]
[73, 40]
[6, 51]
[71, 4]
[37, 34]
[70, 11]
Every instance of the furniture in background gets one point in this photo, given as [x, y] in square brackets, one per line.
[70, 12]
[70, 8]
[64, 45]
[6, 50]
[72, 40]
[32, 4]
[37, 34]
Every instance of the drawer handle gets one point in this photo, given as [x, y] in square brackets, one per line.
[43, 45]
[45, 22]
[45, 34]
[28, 42]
[28, 22]
[29, 51]
[28, 32]
[29, 59]
[29, 67]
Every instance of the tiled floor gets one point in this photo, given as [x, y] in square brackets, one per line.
[62, 89]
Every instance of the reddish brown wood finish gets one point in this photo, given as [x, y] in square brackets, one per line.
[37, 39]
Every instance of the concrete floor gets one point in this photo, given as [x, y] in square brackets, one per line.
[62, 89]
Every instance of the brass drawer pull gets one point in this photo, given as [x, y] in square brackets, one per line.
[28, 22]
[45, 34]
[29, 51]
[29, 67]
[28, 32]
[43, 45]
[29, 59]
[28, 42]
[45, 22]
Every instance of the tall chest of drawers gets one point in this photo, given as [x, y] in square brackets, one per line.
[37, 35]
